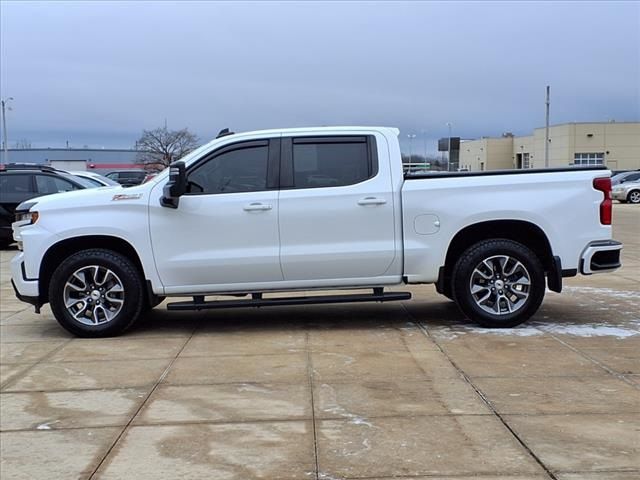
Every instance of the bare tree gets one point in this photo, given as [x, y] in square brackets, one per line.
[158, 148]
[23, 144]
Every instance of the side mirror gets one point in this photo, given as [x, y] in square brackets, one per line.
[176, 186]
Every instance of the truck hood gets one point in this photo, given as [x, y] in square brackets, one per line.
[88, 198]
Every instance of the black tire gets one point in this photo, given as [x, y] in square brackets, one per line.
[633, 196]
[462, 277]
[132, 286]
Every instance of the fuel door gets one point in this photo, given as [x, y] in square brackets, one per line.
[426, 224]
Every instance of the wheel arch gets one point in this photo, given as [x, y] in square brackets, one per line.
[521, 231]
[64, 248]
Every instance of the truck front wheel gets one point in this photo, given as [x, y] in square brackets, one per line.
[96, 293]
[498, 283]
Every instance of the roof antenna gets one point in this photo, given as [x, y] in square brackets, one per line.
[224, 132]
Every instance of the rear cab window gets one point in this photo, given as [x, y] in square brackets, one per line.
[132, 175]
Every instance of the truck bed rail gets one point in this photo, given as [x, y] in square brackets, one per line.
[436, 174]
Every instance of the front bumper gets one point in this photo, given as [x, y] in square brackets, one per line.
[25, 287]
[618, 195]
[35, 301]
[601, 257]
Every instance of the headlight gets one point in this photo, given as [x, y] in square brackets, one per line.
[23, 214]
[29, 218]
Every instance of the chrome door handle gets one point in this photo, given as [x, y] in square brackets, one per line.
[257, 207]
[372, 201]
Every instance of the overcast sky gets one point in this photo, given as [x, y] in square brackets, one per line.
[98, 73]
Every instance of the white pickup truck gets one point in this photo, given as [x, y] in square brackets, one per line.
[327, 208]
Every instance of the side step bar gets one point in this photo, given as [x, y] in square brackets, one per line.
[378, 295]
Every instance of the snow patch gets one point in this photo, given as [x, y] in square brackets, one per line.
[578, 330]
[610, 292]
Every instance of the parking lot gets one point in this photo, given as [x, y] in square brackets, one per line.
[369, 391]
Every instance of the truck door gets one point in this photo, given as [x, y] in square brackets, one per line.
[336, 208]
[225, 230]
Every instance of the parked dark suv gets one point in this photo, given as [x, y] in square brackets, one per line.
[127, 178]
[20, 182]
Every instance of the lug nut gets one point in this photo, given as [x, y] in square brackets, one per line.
[500, 292]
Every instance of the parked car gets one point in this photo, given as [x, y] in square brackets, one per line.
[127, 178]
[150, 176]
[629, 176]
[95, 179]
[311, 208]
[629, 191]
[20, 182]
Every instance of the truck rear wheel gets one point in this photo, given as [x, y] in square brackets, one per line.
[498, 283]
[96, 293]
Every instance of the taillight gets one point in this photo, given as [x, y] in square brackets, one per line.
[604, 185]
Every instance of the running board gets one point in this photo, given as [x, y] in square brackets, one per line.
[257, 301]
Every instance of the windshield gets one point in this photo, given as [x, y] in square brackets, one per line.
[94, 183]
[102, 180]
[625, 177]
[616, 178]
[85, 182]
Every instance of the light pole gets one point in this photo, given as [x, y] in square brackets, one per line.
[448, 124]
[424, 140]
[411, 136]
[546, 129]
[5, 145]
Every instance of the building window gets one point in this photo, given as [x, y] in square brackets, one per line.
[588, 159]
[522, 160]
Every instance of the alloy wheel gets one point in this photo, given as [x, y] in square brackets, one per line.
[500, 285]
[93, 295]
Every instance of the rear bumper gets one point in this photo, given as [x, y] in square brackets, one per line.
[600, 257]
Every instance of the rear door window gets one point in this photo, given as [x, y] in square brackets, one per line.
[331, 161]
[15, 184]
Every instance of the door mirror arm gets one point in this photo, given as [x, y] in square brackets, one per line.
[176, 186]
